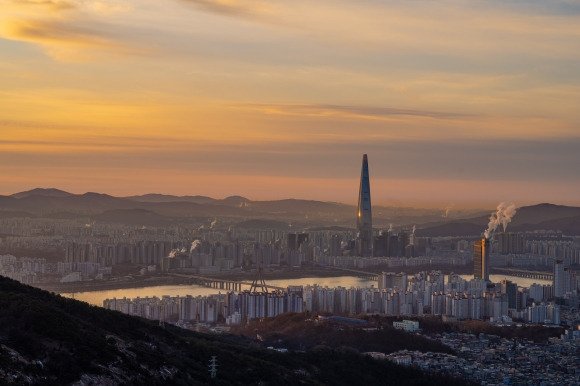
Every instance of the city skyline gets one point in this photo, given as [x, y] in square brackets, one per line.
[458, 105]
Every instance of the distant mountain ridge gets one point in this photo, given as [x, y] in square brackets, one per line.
[528, 218]
[160, 209]
[156, 197]
[50, 192]
[45, 202]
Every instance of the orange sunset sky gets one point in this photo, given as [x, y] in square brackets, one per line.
[455, 103]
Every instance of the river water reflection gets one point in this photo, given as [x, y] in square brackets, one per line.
[97, 297]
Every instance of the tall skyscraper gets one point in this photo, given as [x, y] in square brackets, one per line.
[481, 259]
[364, 219]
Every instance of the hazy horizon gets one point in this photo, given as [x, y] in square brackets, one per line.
[417, 205]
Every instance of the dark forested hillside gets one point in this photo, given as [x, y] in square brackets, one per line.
[48, 339]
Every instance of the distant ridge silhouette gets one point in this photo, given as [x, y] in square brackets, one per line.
[156, 209]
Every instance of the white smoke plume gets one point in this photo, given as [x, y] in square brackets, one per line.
[194, 245]
[213, 224]
[447, 209]
[414, 228]
[503, 216]
[390, 227]
[173, 253]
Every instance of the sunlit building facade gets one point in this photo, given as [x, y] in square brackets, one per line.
[481, 259]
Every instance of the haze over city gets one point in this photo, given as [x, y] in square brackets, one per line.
[464, 104]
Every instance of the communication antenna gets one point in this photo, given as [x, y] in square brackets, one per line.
[213, 366]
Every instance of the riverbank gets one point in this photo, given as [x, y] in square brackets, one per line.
[136, 281]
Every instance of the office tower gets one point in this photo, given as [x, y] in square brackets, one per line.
[558, 278]
[364, 221]
[481, 259]
[291, 243]
[511, 290]
[295, 240]
[393, 246]
[380, 245]
[402, 242]
[335, 247]
[301, 238]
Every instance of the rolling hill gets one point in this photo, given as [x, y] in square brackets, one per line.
[527, 219]
[46, 339]
[159, 209]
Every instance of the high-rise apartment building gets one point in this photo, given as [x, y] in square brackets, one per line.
[558, 278]
[510, 243]
[511, 290]
[481, 259]
[364, 221]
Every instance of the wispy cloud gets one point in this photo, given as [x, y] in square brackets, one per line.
[69, 31]
[238, 8]
[44, 31]
[432, 27]
[48, 4]
[363, 112]
[297, 89]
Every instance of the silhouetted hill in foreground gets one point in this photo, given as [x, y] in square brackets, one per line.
[46, 339]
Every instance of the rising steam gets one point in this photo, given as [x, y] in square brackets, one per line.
[503, 216]
[447, 209]
[194, 245]
[212, 225]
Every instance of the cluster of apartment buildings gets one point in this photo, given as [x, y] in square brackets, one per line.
[233, 308]
[23, 269]
[397, 294]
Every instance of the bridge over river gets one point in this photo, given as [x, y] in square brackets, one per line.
[361, 274]
[522, 273]
[225, 284]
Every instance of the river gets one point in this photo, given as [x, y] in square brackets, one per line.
[97, 297]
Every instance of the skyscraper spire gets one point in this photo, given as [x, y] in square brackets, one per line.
[364, 219]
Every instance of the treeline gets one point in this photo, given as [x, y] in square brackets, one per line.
[304, 332]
